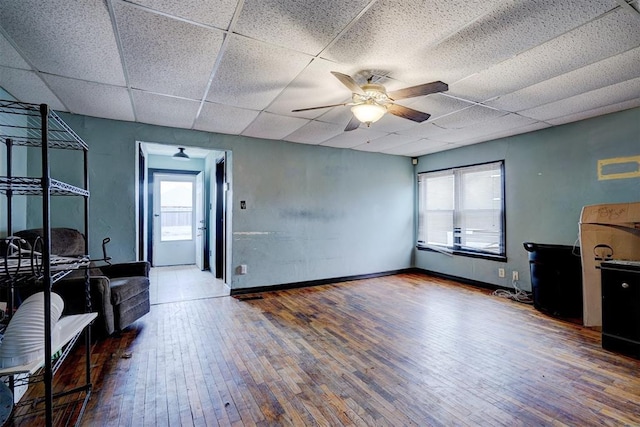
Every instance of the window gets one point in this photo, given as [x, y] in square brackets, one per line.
[461, 210]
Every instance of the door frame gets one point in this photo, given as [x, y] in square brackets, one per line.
[150, 186]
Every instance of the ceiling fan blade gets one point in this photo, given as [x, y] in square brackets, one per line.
[317, 108]
[419, 90]
[407, 113]
[348, 82]
[353, 124]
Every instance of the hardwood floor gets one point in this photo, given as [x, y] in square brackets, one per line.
[398, 350]
[183, 283]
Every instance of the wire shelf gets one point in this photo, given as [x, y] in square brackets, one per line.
[33, 187]
[22, 123]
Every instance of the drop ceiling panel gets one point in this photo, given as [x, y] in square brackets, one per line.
[273, 126]
[353, 138]
[305, 26]
[166, 55]
[314, 86]
[217, 13]
[391, 35]
[92, 99]
[438, 105]
[490, 134]
[164, 110]
[485, 127]
[251, 74]
[468, 117]
[9, 57]
[385, 143]
[256, 60]
[315, 132]
[224, 118]
[616, 32]
[26, 86]
[633, 103]
[598, 98]
[71, 39]
[616, 69]
[419, 148]
[427, 130]
[508, 30]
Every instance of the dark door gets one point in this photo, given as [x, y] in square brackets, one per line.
[219, 218]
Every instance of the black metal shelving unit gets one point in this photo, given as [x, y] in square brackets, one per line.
[35, 125]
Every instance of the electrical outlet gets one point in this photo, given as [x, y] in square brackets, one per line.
[241, 269]
[501, 272]
[514, 275]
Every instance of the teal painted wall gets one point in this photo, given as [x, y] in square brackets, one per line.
[550, 175]
[312, 212]
[19, 168]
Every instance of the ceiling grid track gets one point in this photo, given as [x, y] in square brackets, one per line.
[216, 65]
[114, 24]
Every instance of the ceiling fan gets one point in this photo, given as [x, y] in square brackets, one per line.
[371, 101]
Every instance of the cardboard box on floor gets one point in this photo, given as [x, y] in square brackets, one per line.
[610, 231]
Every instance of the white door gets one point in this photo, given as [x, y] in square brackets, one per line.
[201, 226]
[174, 226]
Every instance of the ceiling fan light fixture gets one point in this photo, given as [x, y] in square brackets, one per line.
[181, 155]
[368, 113]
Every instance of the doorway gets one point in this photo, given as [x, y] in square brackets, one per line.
[175, 211]
[195, 229]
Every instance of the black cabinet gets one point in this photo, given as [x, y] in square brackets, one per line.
[621, 306]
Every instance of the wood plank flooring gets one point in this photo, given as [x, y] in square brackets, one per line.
[391, 351]
[183, 283]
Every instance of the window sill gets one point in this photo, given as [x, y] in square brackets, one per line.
[487, 256]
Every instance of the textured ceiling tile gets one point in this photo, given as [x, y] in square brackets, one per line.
[392, 35]
[489, 134]
[616, 32]
[252, 74]
[314, 86]
[164, 110]
[603, 97]
[26, 86]
[273, 126]
[385, 143]
[92, 99]
[419, 148]
[625, 105]
[505, 32]
[211, 12]
[9, 57]
[484, 128]
[438, 105]
[164, 55]
[315, 133]
[305, 26]
[71, 39]
[426, 130]
[353, 138]
[468, 117]
[224, 119]
[619, 68]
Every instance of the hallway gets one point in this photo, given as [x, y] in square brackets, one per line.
[184, 283]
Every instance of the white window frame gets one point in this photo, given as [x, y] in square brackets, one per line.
[448, 217]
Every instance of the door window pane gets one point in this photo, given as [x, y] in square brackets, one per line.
[176, 210]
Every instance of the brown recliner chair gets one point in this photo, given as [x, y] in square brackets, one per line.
[119, 292]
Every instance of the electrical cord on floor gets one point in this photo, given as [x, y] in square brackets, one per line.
[516, 295]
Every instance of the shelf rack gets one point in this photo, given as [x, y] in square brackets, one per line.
[35, 125]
